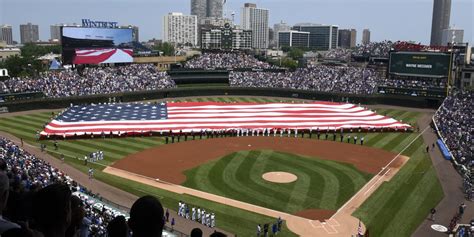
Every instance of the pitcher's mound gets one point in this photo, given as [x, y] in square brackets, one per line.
[279, 177]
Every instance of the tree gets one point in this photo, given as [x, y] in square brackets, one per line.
[15, 65]
[33, 50]
[295, 53]
[166, 48]
[285, 48]
[289, 63]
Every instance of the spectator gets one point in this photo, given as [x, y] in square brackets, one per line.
[217, 234]
[146, 217]
[118, 227]
[196, 232]
[5, 225]
[52, 210]
[77, 214]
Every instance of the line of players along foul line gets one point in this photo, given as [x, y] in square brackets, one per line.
[201, 117]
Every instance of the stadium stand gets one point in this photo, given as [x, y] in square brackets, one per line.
[352, 80]
[226, 60]
[99, 80]
[378, 49]
[454, 121]
[31, 180]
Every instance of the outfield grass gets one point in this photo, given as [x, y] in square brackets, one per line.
[321, 184]
[395, 209]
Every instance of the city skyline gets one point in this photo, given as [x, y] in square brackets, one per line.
[400, 22]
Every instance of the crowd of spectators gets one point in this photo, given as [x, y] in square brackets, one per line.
[339, 54]
[376, 49]
[37, 199]
[227, 61]
[407, 46]
[454, 121]
[95, 80]
[415, 84]
[337, 79]
[28, 175]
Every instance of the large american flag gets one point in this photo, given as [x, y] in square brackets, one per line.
[202, 116]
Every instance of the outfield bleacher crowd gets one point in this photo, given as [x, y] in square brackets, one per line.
[226, 60]
[377, 49]
[339, 54]
[337, 79]
[38, 200]
[415, 84]
[97, 80]
[455, 124]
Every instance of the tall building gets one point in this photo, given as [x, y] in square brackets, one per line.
[347, 38]
[365, 36]
[321, 37]
[55, 32]
[293, 38]
[199, 8]
[256, 20]
[215, 8]
[207, 8]
[180, 29]
[6, 34]
[344, 38]
[440, 21]
[353, 38]
[452, 35]
[29, 33]
[279, 27]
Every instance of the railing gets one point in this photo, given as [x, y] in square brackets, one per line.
[444, 140]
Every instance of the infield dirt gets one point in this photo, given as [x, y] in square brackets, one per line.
[168, 162]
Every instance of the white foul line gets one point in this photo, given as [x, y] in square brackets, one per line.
[383, 168]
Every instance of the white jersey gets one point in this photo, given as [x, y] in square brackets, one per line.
[213, 220]
[203, 219]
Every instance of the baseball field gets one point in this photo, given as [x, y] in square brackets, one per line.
[394, 209]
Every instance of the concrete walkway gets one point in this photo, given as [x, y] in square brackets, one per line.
[451, 183]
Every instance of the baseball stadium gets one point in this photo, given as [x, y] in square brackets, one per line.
[230, 143]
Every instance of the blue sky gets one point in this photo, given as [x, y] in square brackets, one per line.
[387, 19]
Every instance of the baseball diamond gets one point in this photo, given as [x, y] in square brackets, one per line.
[229, 173]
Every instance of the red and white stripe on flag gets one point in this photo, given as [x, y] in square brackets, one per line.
[197, 116]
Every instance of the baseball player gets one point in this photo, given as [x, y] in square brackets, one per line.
[203, 217]
[193, 217]
[208, 219]
[199, 214]
[213, 220]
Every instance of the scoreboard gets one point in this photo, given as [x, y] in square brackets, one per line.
[419, 64]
